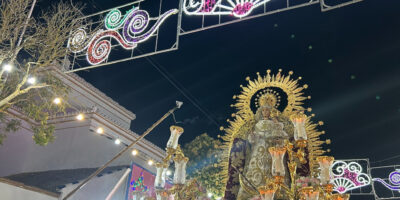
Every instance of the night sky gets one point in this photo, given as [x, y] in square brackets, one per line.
[349, 57]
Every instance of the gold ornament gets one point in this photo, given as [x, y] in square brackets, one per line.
[263, 91]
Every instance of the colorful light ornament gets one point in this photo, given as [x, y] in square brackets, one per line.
[138, 185]
[133, 25]
[348, 176]
[394, 179]
[236, 8]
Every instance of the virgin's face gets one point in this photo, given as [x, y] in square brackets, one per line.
[265, 113]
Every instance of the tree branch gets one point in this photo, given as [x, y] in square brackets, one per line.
[19, 92]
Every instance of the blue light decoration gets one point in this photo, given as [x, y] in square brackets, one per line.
[138, 185]
[394, 179]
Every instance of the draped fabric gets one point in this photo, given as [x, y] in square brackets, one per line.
[236, 166]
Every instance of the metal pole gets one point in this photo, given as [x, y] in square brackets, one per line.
[118, 184]
[81, 185]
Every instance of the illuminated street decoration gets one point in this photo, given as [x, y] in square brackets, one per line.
[133, 25]
[138, 185]
[348, 176]
[236, 8]
[394, 179]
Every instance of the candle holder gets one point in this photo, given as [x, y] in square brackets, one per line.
[299, 121]
[160, 176]
[176, 132]
[300, 154]
[180, 169]
[309, 193]
[325, 163]
[268, 191]
[277, 154]
[340, 197]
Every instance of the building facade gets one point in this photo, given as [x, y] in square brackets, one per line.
[77, 149]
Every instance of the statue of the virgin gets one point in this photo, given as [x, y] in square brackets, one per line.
[252, 135]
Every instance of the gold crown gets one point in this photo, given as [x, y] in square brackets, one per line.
[268, 97]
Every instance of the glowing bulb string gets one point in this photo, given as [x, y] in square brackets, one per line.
[180, 88]
[84, 182]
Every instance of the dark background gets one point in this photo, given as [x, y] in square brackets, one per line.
[349, 57]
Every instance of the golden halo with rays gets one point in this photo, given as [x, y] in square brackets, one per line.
[289, 86]
[244, 117]
[268, 97]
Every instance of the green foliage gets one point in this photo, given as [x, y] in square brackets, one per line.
[42, 48]
[9, 125]
[204, 154]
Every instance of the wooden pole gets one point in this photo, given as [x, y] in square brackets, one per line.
[81, 185]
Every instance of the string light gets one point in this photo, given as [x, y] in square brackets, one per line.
[57, 101]
[80, 117]
[134, 152]
[209, 7]
[150, 162]
[100, 130]
[32, 80]
[117, 141]
[7, 67]
[99, 47]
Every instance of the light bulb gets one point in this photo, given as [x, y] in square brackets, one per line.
[7, 67]
[32, 80]
[134, 152]
[150, 162]
[169, 173]
[209, 194]
[57, 101]
[100, 130]
[117, 141]
[80, 117]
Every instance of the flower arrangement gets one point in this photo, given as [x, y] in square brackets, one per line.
[307, 182]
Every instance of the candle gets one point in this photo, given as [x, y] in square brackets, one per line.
[268, 192]
[277, 154]
[325, 163]
[159, 182]
[180, 169]
[299, 121]
[176, 132]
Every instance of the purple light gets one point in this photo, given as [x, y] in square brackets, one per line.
[208, 6]
[242, 9]
[394, 178]
[352, 176]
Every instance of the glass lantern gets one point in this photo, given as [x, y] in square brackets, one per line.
[176, 132]
[159, 182]
[325, 163]
[299, 121]
[180, 169]
[268, 192]
[309, 193]
[277, 154]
